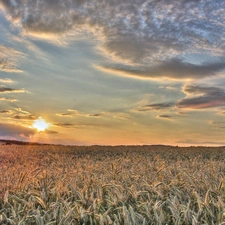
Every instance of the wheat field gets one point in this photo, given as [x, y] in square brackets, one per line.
[130, 185]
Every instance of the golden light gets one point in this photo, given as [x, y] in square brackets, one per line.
[40, 124]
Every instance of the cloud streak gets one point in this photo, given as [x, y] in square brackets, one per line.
[157, 106]
[200, 97]
[9, 60]
[10, 90]
[8, 99]
[6, 80]
[173, 69]
[6, 112]
[25, 117]
[164, 117]
[69, 113]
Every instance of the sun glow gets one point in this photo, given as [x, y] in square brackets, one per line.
[40, 124]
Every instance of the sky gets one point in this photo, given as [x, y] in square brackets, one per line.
[98, 72]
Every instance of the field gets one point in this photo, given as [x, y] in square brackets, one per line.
[56, 185]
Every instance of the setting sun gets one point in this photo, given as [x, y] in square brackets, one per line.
[40, 124]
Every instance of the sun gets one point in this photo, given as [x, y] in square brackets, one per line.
[40, 124]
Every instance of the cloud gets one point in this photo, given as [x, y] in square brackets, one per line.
[21, 111]
[157, 106]
[172, 69]
[218, 124]
[182, 113]
[70, 113]
[6, 80]
[51, 132]
[200, 97]
[9, 59]
[76, 125]
[6, 111]
[164, 116]
[15, 130]
[168, 88]
[134, 34]
[121, 116]
[65, 125]
[95, 115]
[25, 117]
[10, 90]
[8, 99]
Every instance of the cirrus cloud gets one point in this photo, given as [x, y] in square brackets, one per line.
[9, 59]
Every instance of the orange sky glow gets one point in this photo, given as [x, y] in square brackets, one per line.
[112, 72]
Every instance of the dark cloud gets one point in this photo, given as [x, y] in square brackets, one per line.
[15, 130]
[164, 116]
[66, 125]
[199, 97]
[158, 106]
[174, 69]
[5, 112]
[95, 115]
[25, 117]
[8, 90]
[134, 33]
[74, 125]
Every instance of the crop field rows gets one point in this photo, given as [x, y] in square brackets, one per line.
[130, 185]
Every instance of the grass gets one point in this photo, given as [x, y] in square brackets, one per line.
[55, 185]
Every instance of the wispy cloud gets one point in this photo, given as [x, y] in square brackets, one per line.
[65, 125]
[24, 117]
[157, 106]
[8, 99]
[10, 90]
[165, 117]
[72, 113]
[9, 60]
[69, 113]
[95, 115]
[78, 125]
[172, 69]
[6, 80]
[201, 97]
[135, 34]
[22, 111]
[6, 111]
[121, 116]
